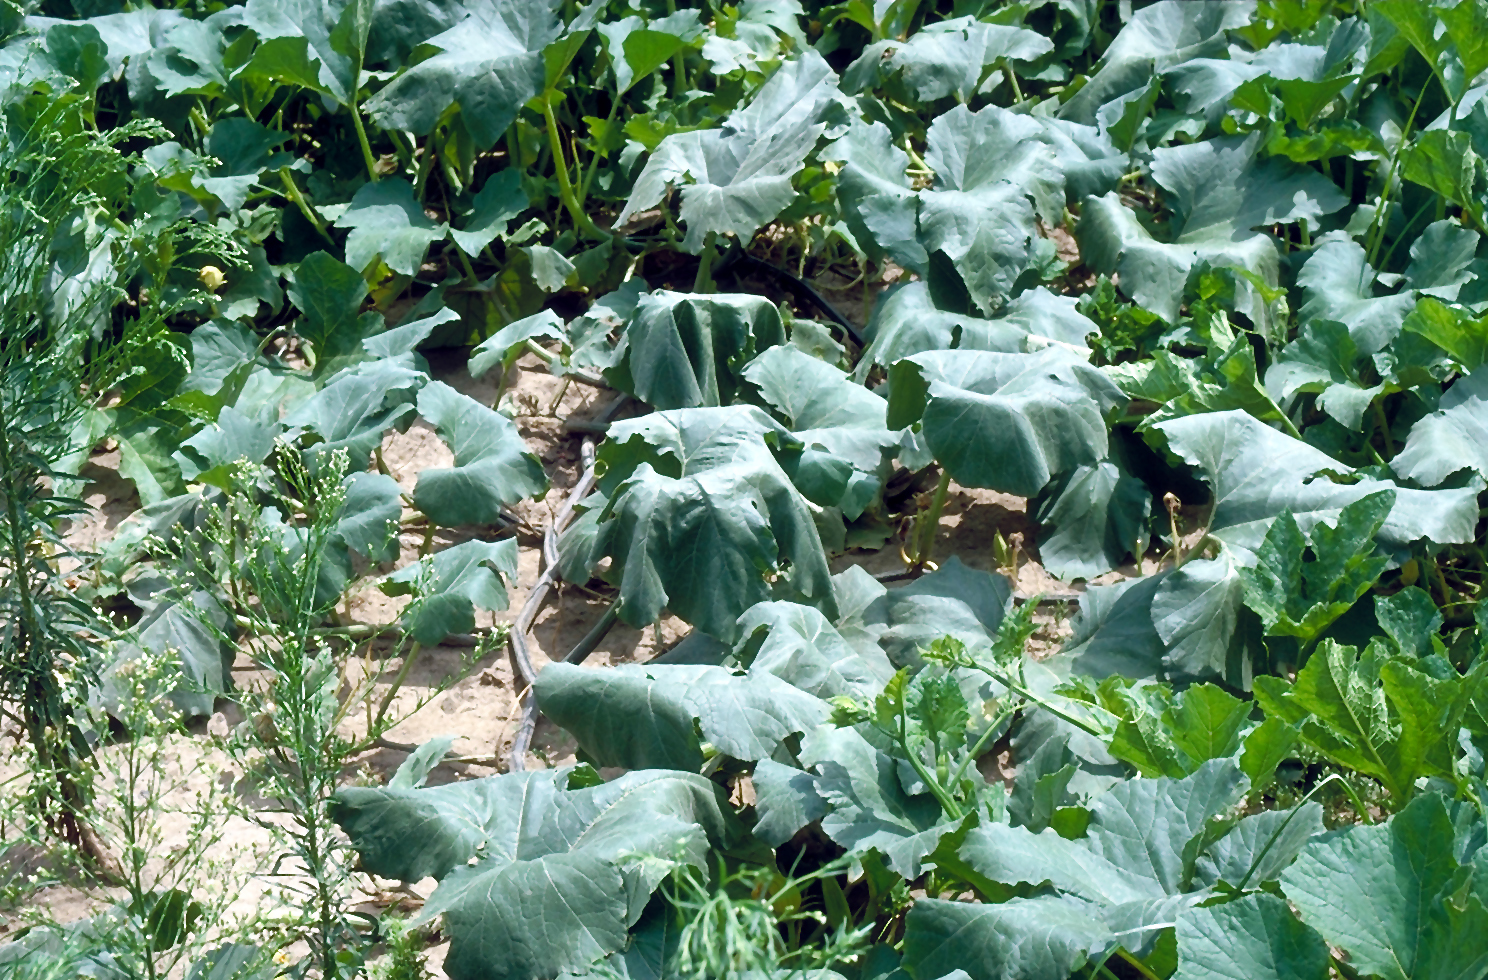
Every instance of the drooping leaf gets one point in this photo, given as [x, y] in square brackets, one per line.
[1098, 514]
[699, 512]
[492, 465]
[1453, 438]
[556, 876]
[785, 801]
[1338, 284]
[680, 350]
[354, 410]
[741, 174]
[1256, 472]
[369, 522]
[797, 644]
[948, 57]
[1044, 412]
[1220, 195]
[829, 414]
[450, 585]
[1021, 939]
[642, 717]
[906, 322]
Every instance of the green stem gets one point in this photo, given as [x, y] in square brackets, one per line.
[293, 190]
[1136, 964]
[392, 692]
[594, 163]
[361, 131]
[1276, 835]
[426, 165]
[1007, 681]
[1384, 427]
[679, 69]
[1007, 71]
[1377, 226]
[560, 164]
[597, 632]
[915, 158]
[938, 791]
[931, 519]
[703, 282]
[976, 749]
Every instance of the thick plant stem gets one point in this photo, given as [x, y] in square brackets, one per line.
[392, 691]
[703, 282]
[1384, 428]
[293, 191]
[931, 519]
[596, 633]
[938, 791]
[560, 165]
[361, 131]
[976, 749]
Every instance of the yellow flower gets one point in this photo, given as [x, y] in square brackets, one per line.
[212, 277]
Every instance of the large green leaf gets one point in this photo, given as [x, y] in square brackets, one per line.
[492, 465]
[1200, 723]
[1156, 37]
[320, 42]
[954, 601]
[1451, 439]
[1007, 422]
[681, 350]
[906, 322]
[354, 410]
[1261, 846]
[1391, 896]
[1256, 472]
[699, 513]
[1186, 624]
[1302, 598]
[1339, 284]
[370, 520]
[387, 221]
[1254, 938]
[1324, 359]
[1095, 516]
[797, 644]
[489, 64]
[1023, 939]
[948, 57]
[829, 414]
[450, 585]
[741, 174]
[642, 717]
[210, 454]
[993, 174]
[1384, 718]
[869, 808]
[329, 296]
[535, 878]
[1219, 194]
[785, 801]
